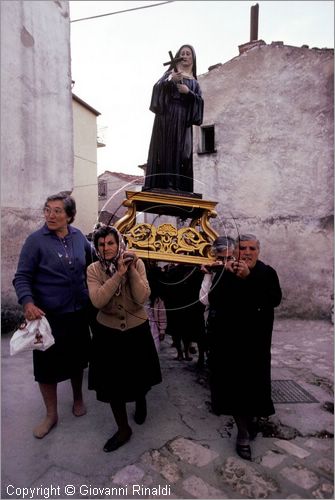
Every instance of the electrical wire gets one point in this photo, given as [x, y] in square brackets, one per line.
[120, 11]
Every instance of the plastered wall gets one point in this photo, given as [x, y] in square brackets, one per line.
[272, 173]
[36, 123]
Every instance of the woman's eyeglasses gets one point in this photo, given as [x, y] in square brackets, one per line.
[56, 211]
[225, 258]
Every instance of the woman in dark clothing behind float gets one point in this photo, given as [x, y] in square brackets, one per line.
[241, 315]
[181, 285]
[178, 105]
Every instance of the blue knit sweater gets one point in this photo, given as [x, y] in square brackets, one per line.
[50, 277]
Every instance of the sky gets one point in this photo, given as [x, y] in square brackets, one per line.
[116, 59]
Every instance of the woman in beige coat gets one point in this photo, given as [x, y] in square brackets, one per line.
[124, 364]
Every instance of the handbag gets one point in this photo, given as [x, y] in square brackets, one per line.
[30, 335]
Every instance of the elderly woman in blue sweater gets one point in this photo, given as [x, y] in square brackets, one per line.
[51, 281]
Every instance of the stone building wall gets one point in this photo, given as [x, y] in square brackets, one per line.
[37, 128]
[272, 172]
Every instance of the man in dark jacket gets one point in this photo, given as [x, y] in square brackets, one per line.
[242, 301]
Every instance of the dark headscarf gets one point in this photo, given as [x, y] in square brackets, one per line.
[194, 57]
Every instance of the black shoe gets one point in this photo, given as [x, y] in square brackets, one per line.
[116, 441]
[244, 451]
[140, 411]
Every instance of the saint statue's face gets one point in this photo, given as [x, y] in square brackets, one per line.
[186, 54]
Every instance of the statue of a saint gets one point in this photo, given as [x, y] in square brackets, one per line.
[178, 105]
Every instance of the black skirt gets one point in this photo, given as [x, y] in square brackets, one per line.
[70, 352]
[124, 365]
[240, 369]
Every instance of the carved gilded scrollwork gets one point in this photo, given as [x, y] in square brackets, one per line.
[167, 243]
[129, 219]
[204, 222]
[166, 239]
[142, 236]
[191, 241]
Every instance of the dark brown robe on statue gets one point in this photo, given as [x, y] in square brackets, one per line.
[240, 332]
[170, 162]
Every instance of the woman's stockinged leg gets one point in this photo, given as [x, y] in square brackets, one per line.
[177, 344]
[78, 408]
[242, 429]
[49, 394]
[186, 344]
[140, 410]
[124, 430]
[119, 410]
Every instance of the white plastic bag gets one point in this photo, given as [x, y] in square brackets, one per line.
[32, 335]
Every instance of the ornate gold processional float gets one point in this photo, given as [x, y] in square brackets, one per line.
[165, 242]
[168, 183]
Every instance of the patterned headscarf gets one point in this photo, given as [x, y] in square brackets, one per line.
[101, 231]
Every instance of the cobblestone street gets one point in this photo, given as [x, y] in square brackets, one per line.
[183, 450]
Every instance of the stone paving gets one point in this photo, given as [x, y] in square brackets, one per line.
[183, 450]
